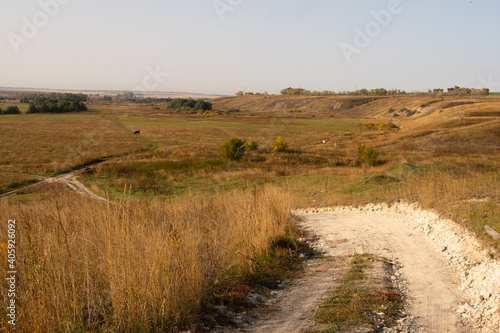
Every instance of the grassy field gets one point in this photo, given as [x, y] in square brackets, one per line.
[141, 265]
[170, 182]
[46, 144]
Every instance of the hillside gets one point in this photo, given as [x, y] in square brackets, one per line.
[428, 124]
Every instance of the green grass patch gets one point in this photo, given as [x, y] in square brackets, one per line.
[154, 169]
[357, 300]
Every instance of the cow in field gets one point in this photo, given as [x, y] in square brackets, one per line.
[137, 132]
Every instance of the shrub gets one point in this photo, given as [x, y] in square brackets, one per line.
[381, 125]
[280, 145]
[367, 154]
[233, 149]
[251, 145]
[369, 126]
[410, 113]
[12, 109]
[391, 110]
[392, 125]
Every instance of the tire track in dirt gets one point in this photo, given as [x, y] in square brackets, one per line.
[68, 179]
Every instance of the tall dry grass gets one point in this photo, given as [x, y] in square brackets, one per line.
[136, 265]
[471, 199]
[469, 196]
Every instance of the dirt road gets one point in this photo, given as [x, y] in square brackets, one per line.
[449, 281]
[432, 286]
[68, 179]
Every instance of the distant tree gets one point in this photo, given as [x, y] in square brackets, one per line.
[202, 105]
[233, 149]
[127, 96]
[12, 109]
[239, 93]
[367, 154]
[183, 104]
[280, 145]
[32, 109]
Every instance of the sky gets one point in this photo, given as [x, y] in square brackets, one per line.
[224, 46]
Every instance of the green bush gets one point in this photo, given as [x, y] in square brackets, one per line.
[280, 145]
[251, 145]
[367, 154]
[11, 109]
[233, 149]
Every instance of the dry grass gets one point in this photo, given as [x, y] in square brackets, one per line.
[134, 266]
[470, 196]
[47, 144]
[148, 265]
[9, 181]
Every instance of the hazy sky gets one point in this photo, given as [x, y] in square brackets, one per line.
[222, 46]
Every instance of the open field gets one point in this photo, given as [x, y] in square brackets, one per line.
[48, 144]
[170, 182]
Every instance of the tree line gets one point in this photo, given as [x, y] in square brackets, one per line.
[58, 103]
[37, 97]
[190, 104]
[453, 91]
[11, 109]
[361, 92]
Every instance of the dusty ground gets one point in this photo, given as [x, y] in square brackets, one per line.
[449, 281]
